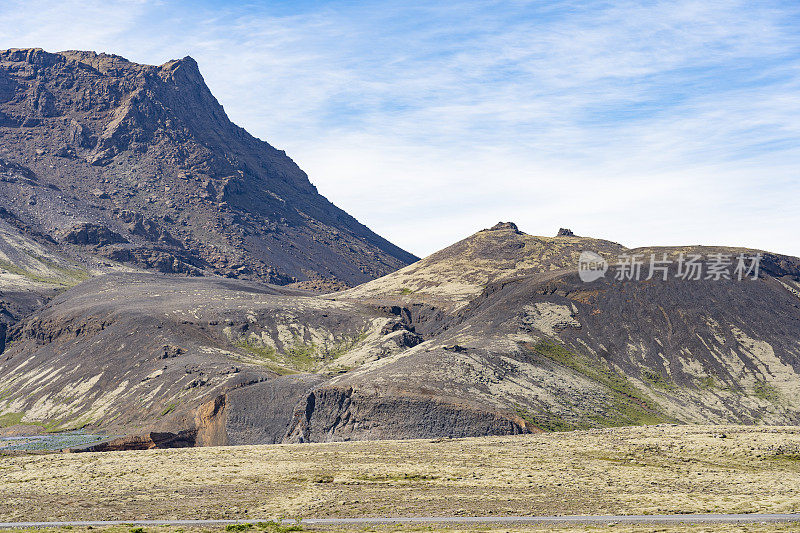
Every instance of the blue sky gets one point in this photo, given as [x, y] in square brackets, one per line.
[641, 122]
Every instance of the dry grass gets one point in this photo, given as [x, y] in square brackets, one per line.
[619, 528]
[645, 470]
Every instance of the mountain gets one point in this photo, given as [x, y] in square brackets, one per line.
[113, 163]
[496, 334]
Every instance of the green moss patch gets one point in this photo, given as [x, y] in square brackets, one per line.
[765, 391]
[302, 356]
[10, 419]
[68, 278]
[629, 406]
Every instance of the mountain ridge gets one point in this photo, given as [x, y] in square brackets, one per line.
[148, 153]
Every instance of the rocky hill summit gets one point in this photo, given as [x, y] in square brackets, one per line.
[452, 277]
[139, 165]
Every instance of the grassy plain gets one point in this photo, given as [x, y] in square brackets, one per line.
[640, 470]
[619, 528]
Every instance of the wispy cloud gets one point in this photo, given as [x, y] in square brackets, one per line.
[644, 122]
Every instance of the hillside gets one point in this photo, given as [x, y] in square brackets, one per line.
[520, 345]
[114, 163]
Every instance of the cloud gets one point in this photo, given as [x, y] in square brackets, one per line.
[647, 123]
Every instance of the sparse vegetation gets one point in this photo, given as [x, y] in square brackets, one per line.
[10, 419]
[269, 527]
[277, 527]
[14, 269]
[656, 379]
[72, 275]
[266, 354]
[274, 527]
[344, 346]
[256, 347]
[544, 420]
[399, 477]
[630, 405]
[707, 382]
[302, 356]
[765, 391]
[68, 277]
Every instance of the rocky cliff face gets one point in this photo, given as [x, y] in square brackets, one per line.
[139, 164]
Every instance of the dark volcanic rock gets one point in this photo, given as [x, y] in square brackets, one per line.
[333, 413]
[161, 260]
[505, 225]
[262, 413]
[522, 333]
[147, 153]
[92, 234]
[179, 355]
[145, 441]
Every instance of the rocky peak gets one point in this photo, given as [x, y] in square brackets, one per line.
[186, 66]
[505, 225]
[565, 232]
[112, 136]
